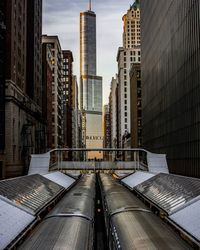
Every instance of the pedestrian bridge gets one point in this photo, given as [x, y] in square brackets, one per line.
[114, 159]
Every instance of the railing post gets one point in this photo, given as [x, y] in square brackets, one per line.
[61, 159]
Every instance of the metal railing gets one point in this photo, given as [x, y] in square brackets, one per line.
[62, 159]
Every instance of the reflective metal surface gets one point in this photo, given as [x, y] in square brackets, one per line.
[170, 192]
[32, 192]
[78, 200]
[70, 224]
[141, 230]
[61, 233]
[130, 224]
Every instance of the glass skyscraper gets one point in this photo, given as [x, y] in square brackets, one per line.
[90, 83]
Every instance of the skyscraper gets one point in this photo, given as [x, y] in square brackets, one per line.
[171, 82]
[90, 83]
[127, 55]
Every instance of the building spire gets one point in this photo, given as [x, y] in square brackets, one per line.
[90, 5]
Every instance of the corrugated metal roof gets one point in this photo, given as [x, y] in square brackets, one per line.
[189, 219]
[170, 192]
[61, 179]
[138, 177]
[31, 192]
[13, 221]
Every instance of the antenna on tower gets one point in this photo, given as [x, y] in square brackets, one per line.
[90, 5]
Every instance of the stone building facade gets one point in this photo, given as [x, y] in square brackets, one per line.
[25, 127]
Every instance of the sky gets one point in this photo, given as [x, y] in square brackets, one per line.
[61, 18]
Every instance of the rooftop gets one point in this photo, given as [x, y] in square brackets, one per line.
[135, 5]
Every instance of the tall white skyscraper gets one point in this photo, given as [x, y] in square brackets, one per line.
[90, 83]
[127, 55]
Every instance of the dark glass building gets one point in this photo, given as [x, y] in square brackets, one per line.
[171, 82]
[2, 85]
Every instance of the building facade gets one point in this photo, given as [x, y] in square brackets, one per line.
[171, 82]
[2, 87]
[57, 89]
[25, 127]
[136, 106]
[34, 50]
[127, 55]
[90, 84]
[113, 110]
[67, 97]
[107, 131]
[47, 79]
[107, 127]
[75, 114]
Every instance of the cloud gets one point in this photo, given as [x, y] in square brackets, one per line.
[61, 18]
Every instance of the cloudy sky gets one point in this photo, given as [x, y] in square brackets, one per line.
[61, 18]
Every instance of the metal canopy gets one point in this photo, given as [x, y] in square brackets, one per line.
[31, 192]
[170, 192]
